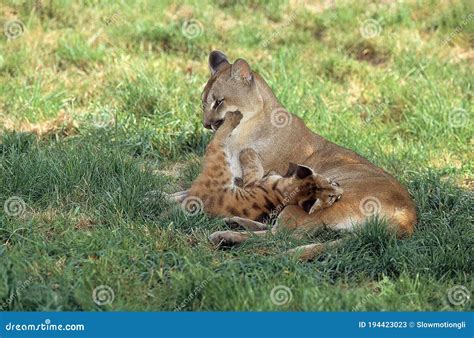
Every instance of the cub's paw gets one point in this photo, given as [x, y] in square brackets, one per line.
[227, 238]
[239, 223]
[233, 118]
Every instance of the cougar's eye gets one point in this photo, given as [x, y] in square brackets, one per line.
[217, 103]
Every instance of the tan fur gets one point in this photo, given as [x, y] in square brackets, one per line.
[294, 142]
[236, 87]
[261, 197]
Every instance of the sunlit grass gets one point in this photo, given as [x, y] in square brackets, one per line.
[100, 113]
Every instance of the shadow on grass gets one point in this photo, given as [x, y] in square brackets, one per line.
[96, 177]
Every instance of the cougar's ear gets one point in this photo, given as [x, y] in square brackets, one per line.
[216, 60]
[303, 171]
[291, 169]
[241, 71]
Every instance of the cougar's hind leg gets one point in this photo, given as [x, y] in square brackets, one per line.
[295, 218]
[309, 252]
[292, 217]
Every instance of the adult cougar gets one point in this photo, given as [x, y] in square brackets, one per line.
[261, 196]
[280, 138]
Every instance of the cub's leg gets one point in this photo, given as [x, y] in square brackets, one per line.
[245, 223]
[292, 217]
[233, 238]
[252, 170]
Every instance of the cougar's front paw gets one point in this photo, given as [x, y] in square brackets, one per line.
[233, 117]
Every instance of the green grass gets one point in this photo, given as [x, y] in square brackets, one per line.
[98, 119]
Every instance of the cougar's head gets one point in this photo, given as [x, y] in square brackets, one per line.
[231, 87]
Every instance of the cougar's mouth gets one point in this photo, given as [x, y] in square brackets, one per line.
[216, 125]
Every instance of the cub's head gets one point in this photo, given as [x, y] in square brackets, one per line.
[311, 191]
[231, 87]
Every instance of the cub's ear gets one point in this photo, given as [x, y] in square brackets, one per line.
[241, 71]
[291, 169]
[216, 60]
[317, 205]
[303, 171]
[311, 206]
